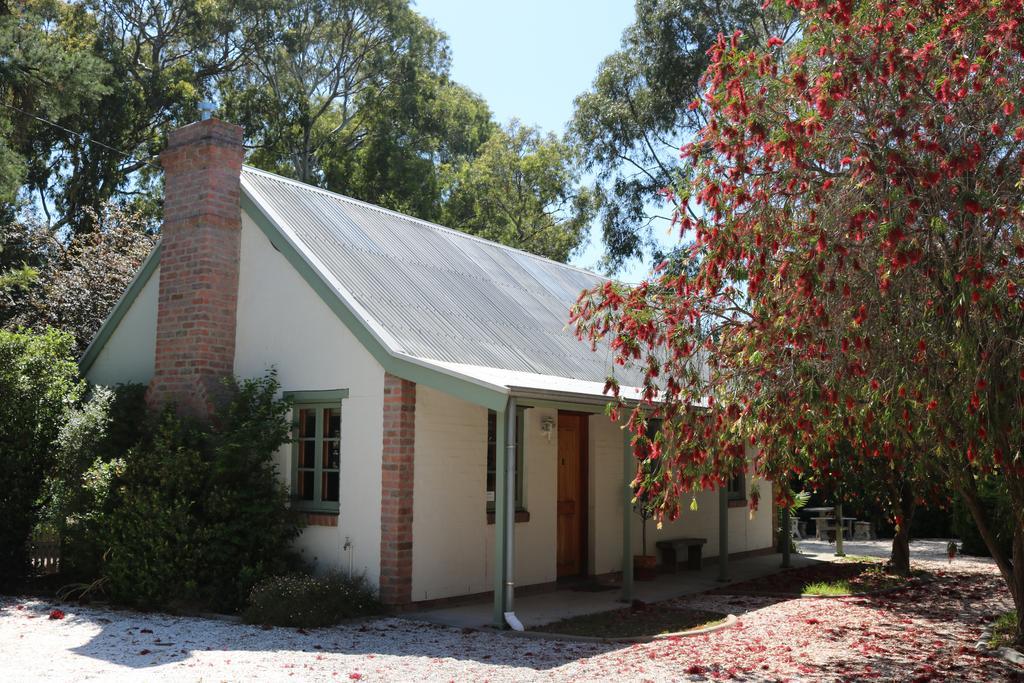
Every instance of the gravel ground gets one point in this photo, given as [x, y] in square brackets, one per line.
[927, 633]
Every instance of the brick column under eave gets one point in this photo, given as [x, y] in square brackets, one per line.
[396, 491]
[201, 237]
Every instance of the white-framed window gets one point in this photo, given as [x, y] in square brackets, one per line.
[316, 449]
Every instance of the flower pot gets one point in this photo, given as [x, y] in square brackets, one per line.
[645, 567]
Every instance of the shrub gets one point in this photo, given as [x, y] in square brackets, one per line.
[88, 455]
[38, 386]
[199, 513]
[306, 601]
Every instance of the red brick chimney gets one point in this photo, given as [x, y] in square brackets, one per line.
[195, 327]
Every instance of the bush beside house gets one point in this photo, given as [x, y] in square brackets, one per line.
[154, 509]
[202, 515]
[39, 385]
[308, 602]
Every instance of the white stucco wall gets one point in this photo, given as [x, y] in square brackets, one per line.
[453, 545]
[283, 323]
[129, 354]
[746, 533]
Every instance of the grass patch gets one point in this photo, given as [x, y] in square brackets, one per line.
[857, 559]
[652, 620]
[870, 577]
[1004, 630]
[828, 588]
[845, 576]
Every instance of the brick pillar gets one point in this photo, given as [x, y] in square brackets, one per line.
[195, 329]
[396, 491]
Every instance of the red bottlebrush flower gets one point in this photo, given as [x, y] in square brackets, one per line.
[775, 41]
[1008, 108]
[932, 404]
[1011, 289]
[56, 614]
[875, 385]
[911, 28]
[824, 108]
[996, 129]
[972, 206]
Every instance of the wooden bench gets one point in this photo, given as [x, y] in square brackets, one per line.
[670, 552]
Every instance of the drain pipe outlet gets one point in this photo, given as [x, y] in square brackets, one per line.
[513, 621]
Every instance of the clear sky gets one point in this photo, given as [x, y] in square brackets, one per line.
[530, 58]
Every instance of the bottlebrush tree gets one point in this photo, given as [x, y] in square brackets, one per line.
[854, 284]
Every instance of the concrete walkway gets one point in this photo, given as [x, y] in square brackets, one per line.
[544, 608]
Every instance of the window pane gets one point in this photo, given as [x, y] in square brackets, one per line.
[307, 453]
[307, 423]
[332, 423]
[329, 484]
[492, 429]
[305, 485]
[332, 455]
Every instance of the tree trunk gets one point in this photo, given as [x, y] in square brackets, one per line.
[1011, 568]
[1018, 580]
[899, 560]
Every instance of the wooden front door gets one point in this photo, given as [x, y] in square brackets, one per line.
[572, 494]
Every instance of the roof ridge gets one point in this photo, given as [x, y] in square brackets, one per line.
[424, 223]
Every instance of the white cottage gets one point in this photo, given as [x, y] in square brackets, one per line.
[450, 436]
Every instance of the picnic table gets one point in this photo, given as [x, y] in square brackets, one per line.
[825, 521]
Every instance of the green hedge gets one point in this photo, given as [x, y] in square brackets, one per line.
[200, 513]
[39, 385]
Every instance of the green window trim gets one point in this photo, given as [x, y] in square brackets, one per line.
[324, 396]
[493, 440]
[316, 466]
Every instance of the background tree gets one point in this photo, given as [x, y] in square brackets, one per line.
[414, 133]
[46, 72]
[522, 189]
[856, 204]
[76, 279]
[630, 125]
[303, 92]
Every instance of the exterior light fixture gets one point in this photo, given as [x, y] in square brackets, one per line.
[547, 426]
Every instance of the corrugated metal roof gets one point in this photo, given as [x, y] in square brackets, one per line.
[439, 294]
